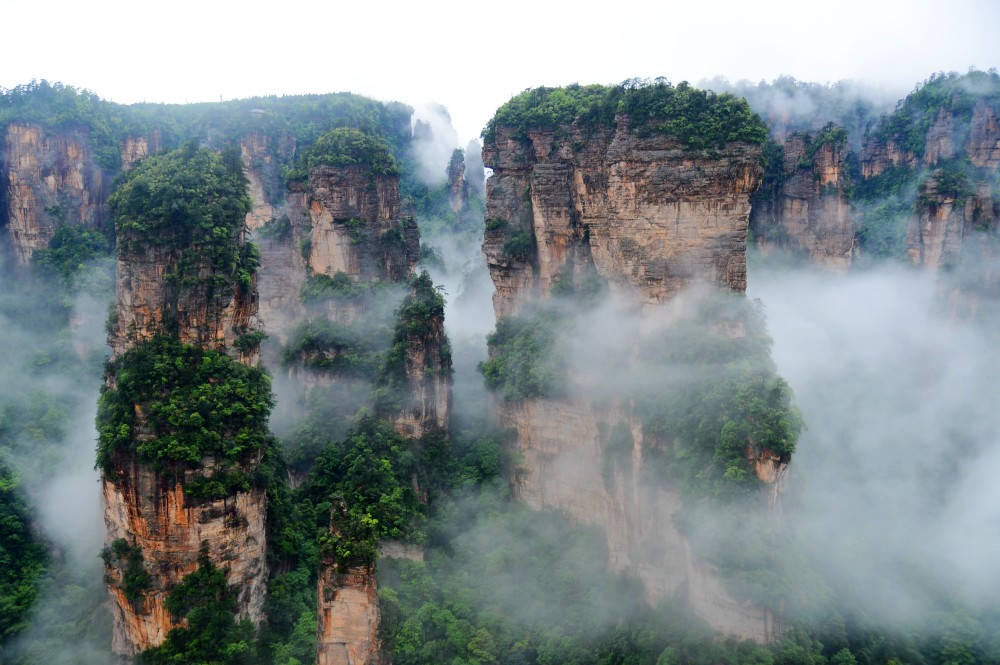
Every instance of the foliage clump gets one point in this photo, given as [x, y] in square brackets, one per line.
[207, 606]
[699, 119]
[174, 404]
[191, 199]
[419, 319]
[957, 94]
[526, 359]
[716, 396]
[128, 558]
[23, 558]
[72, 252]
[347, 146]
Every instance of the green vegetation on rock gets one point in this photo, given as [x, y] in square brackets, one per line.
[346, 146]
[23, 558]
[698, 119]
[191, 199]
[174, 404]
[716, 396]
[957, 94]
[526, 359]
[209, 633]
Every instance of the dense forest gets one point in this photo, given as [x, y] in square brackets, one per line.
[313, 426]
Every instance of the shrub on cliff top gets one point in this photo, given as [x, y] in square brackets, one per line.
[346, 146]
[697, 118]
[908, 124]
[191, 199]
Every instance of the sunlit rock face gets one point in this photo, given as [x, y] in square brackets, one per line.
[810, 211]
[651, 219]
[651, 216]
[48, 178]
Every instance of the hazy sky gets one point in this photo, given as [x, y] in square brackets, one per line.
[472, 56]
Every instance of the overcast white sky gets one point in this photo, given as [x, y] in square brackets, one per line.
[472, 56]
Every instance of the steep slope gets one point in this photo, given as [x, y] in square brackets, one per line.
[804, 205]
[919, 184]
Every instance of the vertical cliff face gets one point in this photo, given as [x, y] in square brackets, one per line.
[283, 268]
[347, 613]
[201, 296]
[650, 216]
[48, 178]
[154, 514]
[808, 210]
[150, 300]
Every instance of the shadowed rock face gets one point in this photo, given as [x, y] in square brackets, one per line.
[810, 211]
[650, 216]
[348, 616]
[47, 178]
[651, 219]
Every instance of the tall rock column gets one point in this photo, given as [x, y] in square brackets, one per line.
[182, 421]
[648, 208]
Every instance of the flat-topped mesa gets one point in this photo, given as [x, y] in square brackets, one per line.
[654, 209]
[48, 178]
[345, 192]
[182, 424]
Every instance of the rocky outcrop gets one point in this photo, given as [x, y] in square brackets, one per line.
[649, 215]
[983, 148]
[457, 189]
[348, 617]
[570, 461]
[47, 178]
[809, 210]
[135, 148]
[147, 302]
[936, 230]
[425, 368]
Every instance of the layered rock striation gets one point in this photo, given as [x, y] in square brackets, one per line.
[807, 208]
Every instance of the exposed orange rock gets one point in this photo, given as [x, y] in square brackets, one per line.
[348, 617]
[148, 511]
